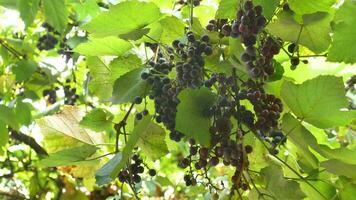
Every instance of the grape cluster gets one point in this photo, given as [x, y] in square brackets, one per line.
[190, 68]
[164, 93]
[249, 22]
[132, 173]
[186, 2]
[70, 96]
[65, 50]
[49, 40]
[222, 26]
[267, 108]
[50, 95]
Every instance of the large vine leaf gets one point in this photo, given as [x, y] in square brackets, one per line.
[128, 86]
[62, 130]
[305, 140]
[98, 120]
[280, 187]
[69, 156]
[314, 31]
[269, 7]
[340, 168]
[172, 28]
[104, 46]
[103, 76]
[112, 168]
[318, 101]
[152, 142]
[227, 9]
[307, 7]
[24, 69]
[28, 10]
[190, 119]
[298, 135]
[56, 14]
[123, 18]
[343, 47]
[8, 116]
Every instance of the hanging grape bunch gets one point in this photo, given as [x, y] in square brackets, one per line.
[222, 26]
[47, 41]
[50, 95]
[70, 94]
[227, 144]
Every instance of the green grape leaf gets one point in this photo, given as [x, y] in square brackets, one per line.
[280, 187]
[304, 140]
[24, 69]
[318, 101]
[303, 7]
[299, 136]
[227, 9]
[23, 113]
[190, 119]
[269, 7]
[12, 4]
[172, 28]
[111, 45]
[86, 10]
[112, 168]
[344, 35]
[69, 156]
[62, 130]
[28, 10]
[4, 135]
[314, 31]
[56, 14]
[152, 142]
[104, 76]
[340, 168]
[97, 120]
[135, 34]
[8, 116]
[128, 86]
[123, 18]
[346, 188]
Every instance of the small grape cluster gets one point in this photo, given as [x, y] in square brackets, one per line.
[132, 174]
[222, 26]
[50, 95]
[164, 93]
[70, 96]
[190, 68]
[267, 108]
[47, 41]
[276, 138]
[248, 24]
[186, 2]
[65, 50]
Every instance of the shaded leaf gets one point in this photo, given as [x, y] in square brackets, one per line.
[279, 187]
[28, 10]
[128, 86]
[152, 142]
[56, 14]
[97, 120]
[190, 119]
[68, 156]
[315, 30]
[340, 168]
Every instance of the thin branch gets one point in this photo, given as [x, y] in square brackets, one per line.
[30, 141]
